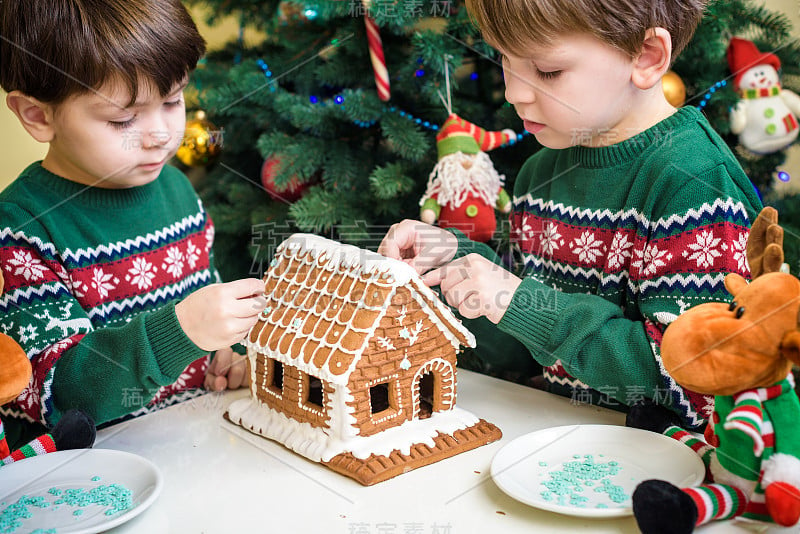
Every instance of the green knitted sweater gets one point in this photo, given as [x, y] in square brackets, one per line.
[92, 277]
[616, 242]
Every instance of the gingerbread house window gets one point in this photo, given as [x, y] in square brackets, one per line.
[313, 392]
[383, 399]
[274, 376]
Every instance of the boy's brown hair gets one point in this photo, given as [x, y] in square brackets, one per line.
[515, 24]
[53, 49]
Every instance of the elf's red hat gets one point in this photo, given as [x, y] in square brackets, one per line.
[743, 54]
[458, 135]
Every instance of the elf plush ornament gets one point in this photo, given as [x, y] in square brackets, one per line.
[765, 119]
[741, 352]
[75, 430]
[464, 188]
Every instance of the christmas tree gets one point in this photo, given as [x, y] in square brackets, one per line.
[313, 142]
[704, 69]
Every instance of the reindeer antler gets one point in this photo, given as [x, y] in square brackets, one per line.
[765, 244]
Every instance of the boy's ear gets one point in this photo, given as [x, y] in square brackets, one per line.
[654, 59]
[36, 117]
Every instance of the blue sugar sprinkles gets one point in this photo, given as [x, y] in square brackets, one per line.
[115, 498]
[568, 486]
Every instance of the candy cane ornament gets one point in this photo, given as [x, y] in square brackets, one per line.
[376, 55]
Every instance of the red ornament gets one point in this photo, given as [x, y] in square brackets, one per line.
[289, 193]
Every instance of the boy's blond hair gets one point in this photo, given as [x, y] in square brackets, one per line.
[54, 49]
[514, 25]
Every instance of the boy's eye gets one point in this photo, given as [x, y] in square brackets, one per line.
[121, 125]
[174, 103]
[548, 75]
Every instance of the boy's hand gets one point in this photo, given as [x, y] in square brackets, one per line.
[227, 369]
[475, 286]
[422, 246]
[217, 316]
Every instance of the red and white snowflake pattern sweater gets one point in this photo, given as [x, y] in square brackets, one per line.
[92, 278]
[617, 241]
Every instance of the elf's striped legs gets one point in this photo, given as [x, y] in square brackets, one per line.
[717, 501]
[699, 446]
[41, 445]
[75, 430]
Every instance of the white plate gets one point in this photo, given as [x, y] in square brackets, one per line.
[620, 456]
[77, 469]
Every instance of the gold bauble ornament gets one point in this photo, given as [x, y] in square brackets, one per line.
[674, 89]
[202, 142]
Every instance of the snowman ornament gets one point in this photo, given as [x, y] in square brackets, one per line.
[765, 119]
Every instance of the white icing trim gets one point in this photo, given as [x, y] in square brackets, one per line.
[305, 405]
[425, 297]
[350, 257]
[319, 444]
[445, 369]
[393, 412]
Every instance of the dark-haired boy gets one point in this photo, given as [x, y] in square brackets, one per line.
[105, 249]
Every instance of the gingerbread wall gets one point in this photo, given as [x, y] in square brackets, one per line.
[378, 364]
[291, 398]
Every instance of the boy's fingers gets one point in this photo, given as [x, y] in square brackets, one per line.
[220, 383]
[214, 382]
[423, 263]
[246, 287]
[247, 308]
[453, 275]
[389, 248]
[212, 367]
[434, 277]
[394, 243]
[220, 361]
[465, 299]
[236, 373]
[255, 305]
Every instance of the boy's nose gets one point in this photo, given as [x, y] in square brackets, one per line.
[518, 89]
[157, 138]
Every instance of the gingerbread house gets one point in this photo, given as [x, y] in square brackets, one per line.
[353, 364]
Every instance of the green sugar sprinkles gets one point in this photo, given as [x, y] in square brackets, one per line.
[113, 499]
[570, 482]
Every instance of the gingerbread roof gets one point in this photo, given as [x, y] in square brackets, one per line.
[325, 300]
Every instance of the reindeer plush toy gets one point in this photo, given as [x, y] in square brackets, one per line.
[75, 430]
[742, 352]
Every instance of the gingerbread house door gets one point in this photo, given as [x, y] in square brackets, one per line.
[433, 388]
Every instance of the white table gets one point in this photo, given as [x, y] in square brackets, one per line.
[219, 478]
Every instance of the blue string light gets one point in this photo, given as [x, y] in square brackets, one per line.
[708, 94]
[339, 100]
[267, 72]
[435, 127]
